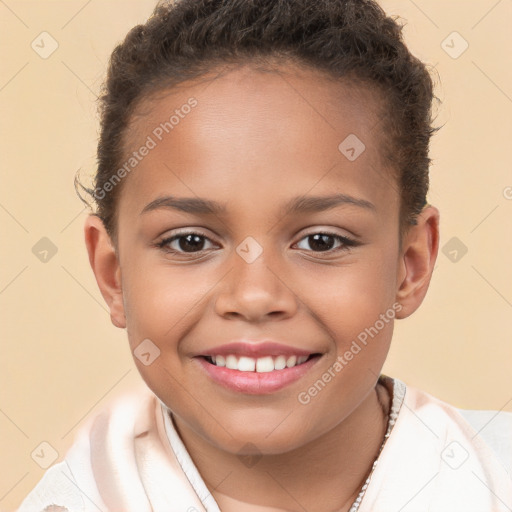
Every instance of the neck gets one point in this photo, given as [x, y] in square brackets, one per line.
[325, 474]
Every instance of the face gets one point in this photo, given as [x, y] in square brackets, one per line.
[266, 267]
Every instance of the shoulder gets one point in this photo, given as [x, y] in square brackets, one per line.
[56, 491]
[495, 428]
[482, 427]
[436, 457]
[71, 485]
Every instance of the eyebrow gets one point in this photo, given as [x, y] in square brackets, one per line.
[299, 204]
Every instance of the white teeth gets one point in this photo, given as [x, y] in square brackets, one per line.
[231, 362]
[280, 363]
[264, 364]
[291, 361]
[260, 365]
[246, 364]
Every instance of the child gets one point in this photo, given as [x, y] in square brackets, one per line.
[286, 141]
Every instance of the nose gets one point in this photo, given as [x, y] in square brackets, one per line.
[256, 292]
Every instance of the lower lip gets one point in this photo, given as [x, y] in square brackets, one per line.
[255, 383]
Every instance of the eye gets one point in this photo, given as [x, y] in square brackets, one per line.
[184, 243]
[324, 242]
[192, 242]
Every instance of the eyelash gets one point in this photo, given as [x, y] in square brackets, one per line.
[346, 241]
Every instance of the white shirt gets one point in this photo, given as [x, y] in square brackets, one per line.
[437, 458]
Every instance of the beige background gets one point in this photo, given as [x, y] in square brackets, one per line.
[61, 359]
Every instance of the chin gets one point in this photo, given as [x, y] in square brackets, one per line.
[261, 441]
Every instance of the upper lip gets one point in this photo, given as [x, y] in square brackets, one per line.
[256, 349]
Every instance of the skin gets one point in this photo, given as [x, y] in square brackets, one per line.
[314, 456]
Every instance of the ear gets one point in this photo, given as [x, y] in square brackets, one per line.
[417, 259]
[105, 265]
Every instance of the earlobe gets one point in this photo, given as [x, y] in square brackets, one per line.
[105, 265]
[417, 260]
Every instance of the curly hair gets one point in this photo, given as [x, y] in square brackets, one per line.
[350, 40]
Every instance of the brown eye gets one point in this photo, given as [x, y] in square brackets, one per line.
[324, 242]
[184, 243]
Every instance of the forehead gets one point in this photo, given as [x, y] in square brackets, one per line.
[252, 130]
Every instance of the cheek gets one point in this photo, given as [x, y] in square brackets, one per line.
[157, 302]
[356, 309]
[353, 295]
[356, 304]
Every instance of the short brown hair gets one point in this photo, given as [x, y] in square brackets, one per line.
[344, 39]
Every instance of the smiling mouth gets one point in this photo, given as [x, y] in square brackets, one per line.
[260, 364]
